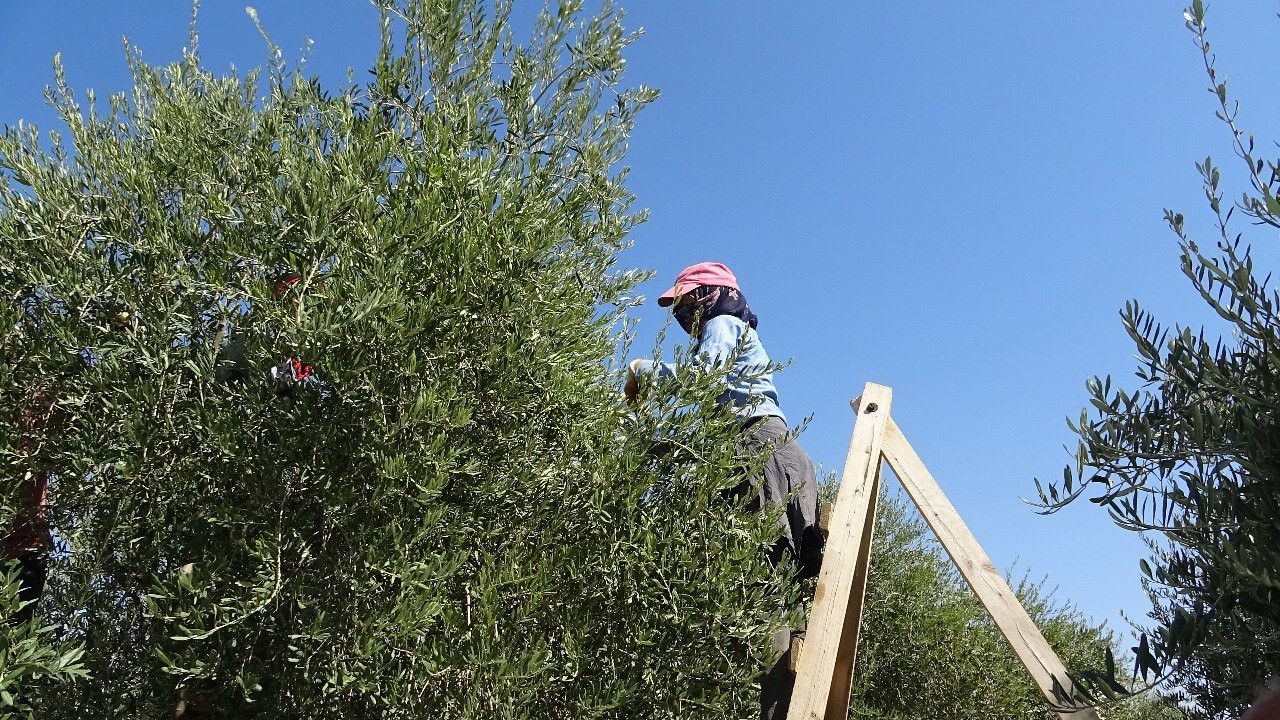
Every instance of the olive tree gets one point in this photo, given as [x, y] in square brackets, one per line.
[929, 649]
[344, 428]
[1191, 457]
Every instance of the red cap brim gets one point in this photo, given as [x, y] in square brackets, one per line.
[668, 298]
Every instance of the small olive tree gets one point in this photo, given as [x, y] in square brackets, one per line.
[344, 435]
[929, 649]
[1192, 456]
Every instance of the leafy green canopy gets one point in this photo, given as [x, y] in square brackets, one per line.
[455, 516]
[1193, 457]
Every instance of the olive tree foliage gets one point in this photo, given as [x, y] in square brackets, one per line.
[1192, 456]
[26, 654]
[929, 649]
[455, 515]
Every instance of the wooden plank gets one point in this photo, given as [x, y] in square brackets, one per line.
[1041, 662]
[824, 519]
[847, 652]
[825, 643]
[797, 649]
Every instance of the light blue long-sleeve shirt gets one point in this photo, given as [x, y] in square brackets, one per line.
[751, 391]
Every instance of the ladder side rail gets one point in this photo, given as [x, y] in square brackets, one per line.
[830, 617]
[1033, 651]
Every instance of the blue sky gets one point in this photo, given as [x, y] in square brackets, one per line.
[953, 199]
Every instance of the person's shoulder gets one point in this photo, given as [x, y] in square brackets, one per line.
[724, 327]
[728, 322]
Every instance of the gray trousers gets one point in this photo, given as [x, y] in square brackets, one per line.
[787, 478]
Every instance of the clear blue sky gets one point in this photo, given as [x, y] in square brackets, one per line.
[954, 199]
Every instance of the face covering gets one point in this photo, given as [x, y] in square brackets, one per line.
[707, 301]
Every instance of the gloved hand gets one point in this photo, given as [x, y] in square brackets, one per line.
[632, 389]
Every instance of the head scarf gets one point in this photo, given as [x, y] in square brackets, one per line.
[707, 301]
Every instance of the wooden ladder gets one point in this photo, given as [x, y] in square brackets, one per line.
[824, 662]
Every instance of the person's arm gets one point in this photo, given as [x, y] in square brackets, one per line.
[720, 339]
[642, 366]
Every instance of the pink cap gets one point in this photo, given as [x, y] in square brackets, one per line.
[704, 273]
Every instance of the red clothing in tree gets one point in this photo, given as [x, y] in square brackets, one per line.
[30, 530]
